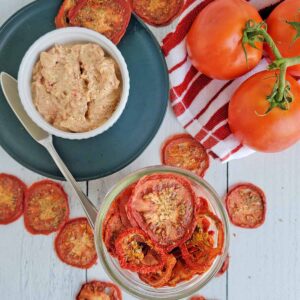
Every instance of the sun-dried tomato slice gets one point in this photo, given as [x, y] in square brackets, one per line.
[11, 198]
[246, 205]
[181, 272]
[157, 12]
[183, 151]
[46, 207]
[112, 227]
[136, 252]
[161, 277]
[163, 206]
[74, 244]
[202, 205]
[99, 290]
[200, 250]
[108, 17]
[198, 298]
[62, 18]
[224, 267]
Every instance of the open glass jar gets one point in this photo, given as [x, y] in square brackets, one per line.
[130, 281]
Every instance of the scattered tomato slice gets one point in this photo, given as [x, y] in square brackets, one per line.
[99, 290]
[246, 205]
[62, 18]
[108, 17]
[46, 207]
[197, 298]
[136, 252]
[181, 272]
[161, 277]
[163, 207]
[12, 191]
[74, 244]
[157, 12]
[183, 151]
[224, 267]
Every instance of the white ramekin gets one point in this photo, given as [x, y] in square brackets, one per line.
[69, 35]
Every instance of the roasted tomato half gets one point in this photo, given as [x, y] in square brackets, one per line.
[12, 191]
[246, 205]
[183, 151]
[214, 41]
[200, 251]
[163, 206]
[109, 17]
[157, 12]
[181, 272]
[62, 18]
[161, 277]
[74, 244]
[46, 207]
[99, 290]
[284, 27]
[137, 253]
[266, 132]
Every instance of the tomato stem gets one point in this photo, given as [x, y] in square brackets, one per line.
[282, 82]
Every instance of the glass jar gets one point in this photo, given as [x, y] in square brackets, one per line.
[130, 281]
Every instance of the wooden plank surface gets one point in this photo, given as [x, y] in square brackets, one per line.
[264, 262]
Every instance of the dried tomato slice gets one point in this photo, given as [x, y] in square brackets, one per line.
[157, 12]
[109, 17]
[136, 252]
[199, 251]
[198, 298]
[161, 277]
[99, 290]
[183, 151]
[11, 198]
[246, 205]
[46, 207]
[224, 267]
[181, 272]
[201, 205]
[163, 206]
[62, 18]
[74, 244]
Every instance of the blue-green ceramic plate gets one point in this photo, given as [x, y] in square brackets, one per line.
[116, 148]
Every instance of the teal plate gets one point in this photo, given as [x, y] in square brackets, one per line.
[125, 141]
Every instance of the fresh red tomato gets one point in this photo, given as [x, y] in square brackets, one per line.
[46, 207]
[246, 205]
[12, 191]
[74, 244]
[157, 12]
[163, 206]
[284, 34]
[271, 132]
[109, 17]
[99, 290]
[214, 41]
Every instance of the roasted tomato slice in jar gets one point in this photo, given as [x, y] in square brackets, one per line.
[183, 151]
[160, 277]
[137, 253]
[157, 12]
[201, 249]
[163, 207]
[62, 18]
[201, 205]
[108, 17]
[99, 290]
[12, 191]
[246, 205]
[181, 272]
[74, 244]
[46, 207]
[224, 267]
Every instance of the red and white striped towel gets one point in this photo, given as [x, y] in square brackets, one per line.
[200, 103]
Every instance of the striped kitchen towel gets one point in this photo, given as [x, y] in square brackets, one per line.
[201, 103]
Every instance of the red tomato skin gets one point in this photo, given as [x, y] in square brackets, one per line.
[214, 40]
[27, 195]
[274, 132]
[21, 209]
[283, 34]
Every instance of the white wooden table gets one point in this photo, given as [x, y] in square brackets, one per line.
[265, 263]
